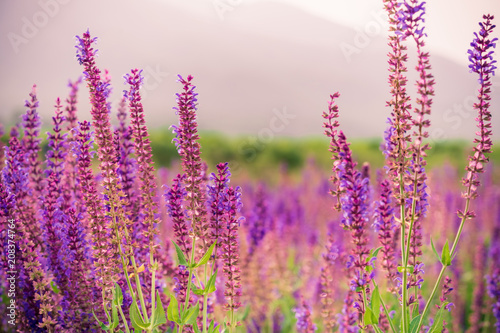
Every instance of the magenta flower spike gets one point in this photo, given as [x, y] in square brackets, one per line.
[106, 152]
[215, 200]
[353, 202]
[188, 147]
[103, 251]
[385, 225]
[145, 169]
[33, 276]
[230, 252]
[174, 197]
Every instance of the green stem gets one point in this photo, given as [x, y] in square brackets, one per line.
[452, 253]
[404, 324]
[385, 309]
[205, 301]
[365, 305]
[188, 289]
[124, 319]
[153, 294]
[433, 293]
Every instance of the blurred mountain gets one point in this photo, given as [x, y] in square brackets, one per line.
[262, 68]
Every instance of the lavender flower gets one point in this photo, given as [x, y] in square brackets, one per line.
[330, 131]
[410, 16]
[174, 197]
[186, 141]
[480, 261]
[447, 289]
[216, 201]
[31, 143]
[127, 164]
[385, 225]
[230, 250]
[258, 221]
[80, 298]
[354, 205]
[327, 286]
[15, 175]
[400, 103]
[145, 169]
[104, 263]
[480, 57]
[99, 92]
[31, 146]
[71, 104]
[304, 318]
[348, 318]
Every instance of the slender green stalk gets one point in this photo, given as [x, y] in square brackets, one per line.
[188, 288]
[205, 301]
[433, 293]
[452, 253]
[385, 309]
[365, 304]
[124, 319]
[153, 294]
[404, 261]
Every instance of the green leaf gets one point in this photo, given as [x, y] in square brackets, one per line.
[159, 312]
[136, 318]
[437, 327]
[374, 253]
[180, 255]
[212, 328]
[368, 317]
[414, 323]
[210, 288]
[196, 329]
[435, 251]
[190, 316]
[173, 310]
[196, 291]
[376, 304]
[55, 288]
[377, 330]
[445, 254]
[206, 257]
[118, 296]
[114, 312]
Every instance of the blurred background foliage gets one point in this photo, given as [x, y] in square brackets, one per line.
[258, 158]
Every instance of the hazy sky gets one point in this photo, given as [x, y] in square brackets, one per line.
[449, 22]
[253, 60]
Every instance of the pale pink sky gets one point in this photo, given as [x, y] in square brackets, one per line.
[253, 60]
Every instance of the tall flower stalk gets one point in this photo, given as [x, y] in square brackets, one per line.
[481, 63]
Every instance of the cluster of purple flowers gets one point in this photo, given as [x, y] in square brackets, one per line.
[93, 254]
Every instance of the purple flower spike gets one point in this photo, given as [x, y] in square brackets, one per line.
[186, 141]
[142, 145]
[480, 55]
[303, 314]
[410, 16]
[174, 198]
[230, 251]
[385, 225]
[482, 64]
[216, 201]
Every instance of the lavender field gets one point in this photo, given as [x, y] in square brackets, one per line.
[96, 236]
